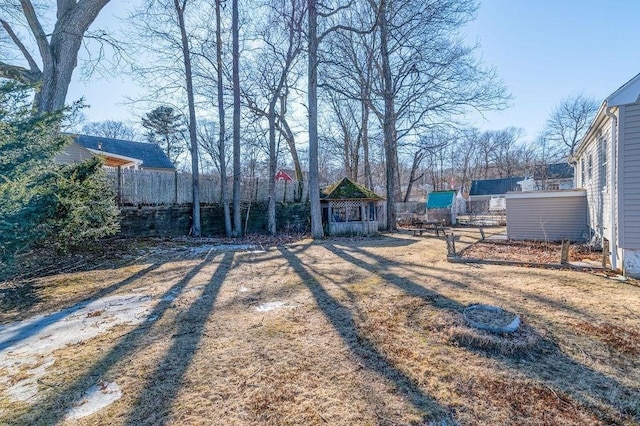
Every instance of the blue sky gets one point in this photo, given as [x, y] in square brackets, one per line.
[544, 50]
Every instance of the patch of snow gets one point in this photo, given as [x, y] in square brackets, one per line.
[243, 289]
[171, 296]
[270, 306]
[26, 389]
[95, 399]
[24, 344]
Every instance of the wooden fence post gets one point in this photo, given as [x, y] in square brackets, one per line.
[284, 193]
[451, 245]
[605, 252]
[175, 187]
[564, 254]
[119, 185]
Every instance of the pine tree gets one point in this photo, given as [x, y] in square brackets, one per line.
[165, 127]
[41, 202]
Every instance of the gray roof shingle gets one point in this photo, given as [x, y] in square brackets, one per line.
[553, 171]
[495, 186]
[152, 155]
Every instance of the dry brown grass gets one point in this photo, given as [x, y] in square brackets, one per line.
[370, 333]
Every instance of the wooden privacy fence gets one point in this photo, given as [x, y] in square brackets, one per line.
[148, 187]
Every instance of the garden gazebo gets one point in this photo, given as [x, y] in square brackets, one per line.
[350, 209]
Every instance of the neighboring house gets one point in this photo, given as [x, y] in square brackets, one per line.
[73, 153]
[351, 209]
[488, 195]
[289, 175]
[607, 164]
[116, 153]
[551, 177]
[443, 206]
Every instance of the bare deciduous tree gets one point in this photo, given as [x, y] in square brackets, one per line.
[314, 39]
[570, 120]
[282, 38]
[110, 129]
[162, 29]
[235, 42]
[58, 48]
[228, 229]
[426, 75]
[179, 7]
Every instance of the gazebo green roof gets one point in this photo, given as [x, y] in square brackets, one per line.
[346, 189]
[440, 199]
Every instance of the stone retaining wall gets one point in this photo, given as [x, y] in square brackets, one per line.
[175, 220]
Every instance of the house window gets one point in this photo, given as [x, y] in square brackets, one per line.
[590, 167]
[582, 172]
[603, 163]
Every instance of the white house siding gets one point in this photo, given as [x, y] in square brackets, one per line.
[630, 178]
[631, 262]
[547, 215]
[73, 153]
[598, 196]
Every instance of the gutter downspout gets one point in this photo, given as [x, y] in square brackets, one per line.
[614, 187]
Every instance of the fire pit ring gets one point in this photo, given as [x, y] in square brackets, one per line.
[491, 318]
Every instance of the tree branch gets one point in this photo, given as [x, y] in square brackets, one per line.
[17, 73]
[32, 63]
[36, 29]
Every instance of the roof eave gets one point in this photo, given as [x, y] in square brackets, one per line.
[136, 161]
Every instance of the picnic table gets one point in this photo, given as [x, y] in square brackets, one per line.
[418, 226]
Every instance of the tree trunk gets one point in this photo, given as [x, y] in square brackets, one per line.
[314, 185]
[291, 142]
[237, 222]
[271, 207]
[59, 55]
[348, 169]
[418, 156]
[368, 179]
[355, 160]
[193, 136]
[224, 191]
[389, 124]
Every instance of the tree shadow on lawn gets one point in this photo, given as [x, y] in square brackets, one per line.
[20, 297]
[363, 349]
[432, 297]
[32, 327]
[421, 270]
[609, 399]
[155, 400]
[391, 239]
[53, 408]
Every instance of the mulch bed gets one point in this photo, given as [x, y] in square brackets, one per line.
[527, 251]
